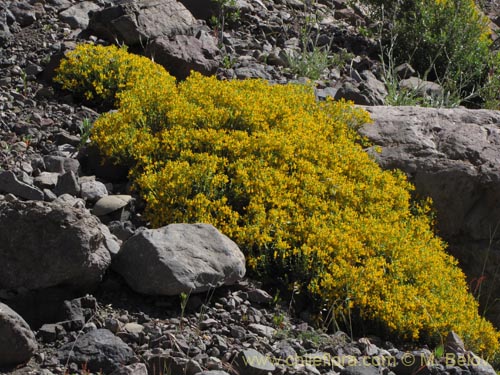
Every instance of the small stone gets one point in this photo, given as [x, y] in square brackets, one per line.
[110, 203]
[208, 323]
[251, 362]
[92, 191]
[262, 330]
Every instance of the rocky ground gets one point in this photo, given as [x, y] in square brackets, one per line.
[232, 329]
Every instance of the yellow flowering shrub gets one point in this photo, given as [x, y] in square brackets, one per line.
[286, 178]
[100, 73]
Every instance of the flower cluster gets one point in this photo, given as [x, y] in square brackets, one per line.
[287, 179]
[95, 72]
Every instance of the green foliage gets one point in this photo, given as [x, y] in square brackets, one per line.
[490, 92]
[85, 131]
[444, 40]
[285, 177]
[313, 59]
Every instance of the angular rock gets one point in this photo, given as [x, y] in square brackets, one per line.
[259, 296]
[17, 341]
[50, 332]
[451, 155]
[478, 366]
[421, 87]
[46, 180]
[24, 12]
[67, 184]
[251, 362]
[262, 330]
[48, 244]
[136, 22]
[92, 191]
[99, 350]
[60, 164]
[10, 184]
[454, 344]
[182, 53]
[179, 258]
[77, 16]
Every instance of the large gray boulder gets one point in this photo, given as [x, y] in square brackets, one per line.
[50, 244]
[179, 258]
[453, 156]
[182, 53]
[140, 22]
[163, 30]
[17, 341]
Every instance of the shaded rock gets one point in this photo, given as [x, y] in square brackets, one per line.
[478, 366]
[10, 184]
[64, 245]
[179, 258]
[136, 22]
[182, 53]
[259, 296]
[17, 341]
[99, 350]
[409, 363]
[60, 164]
[449, 154]
[67, 184]
[77, 16]
[251, 362]
[51, 332]
[454, 344]
[25, 13]
[262, 330]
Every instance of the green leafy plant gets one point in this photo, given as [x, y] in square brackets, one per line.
[444, 40]
[184, 297]
[85, 131]
[313, 59]
[227, 13]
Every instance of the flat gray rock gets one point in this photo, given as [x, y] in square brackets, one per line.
[10, 184]
[110, 203]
